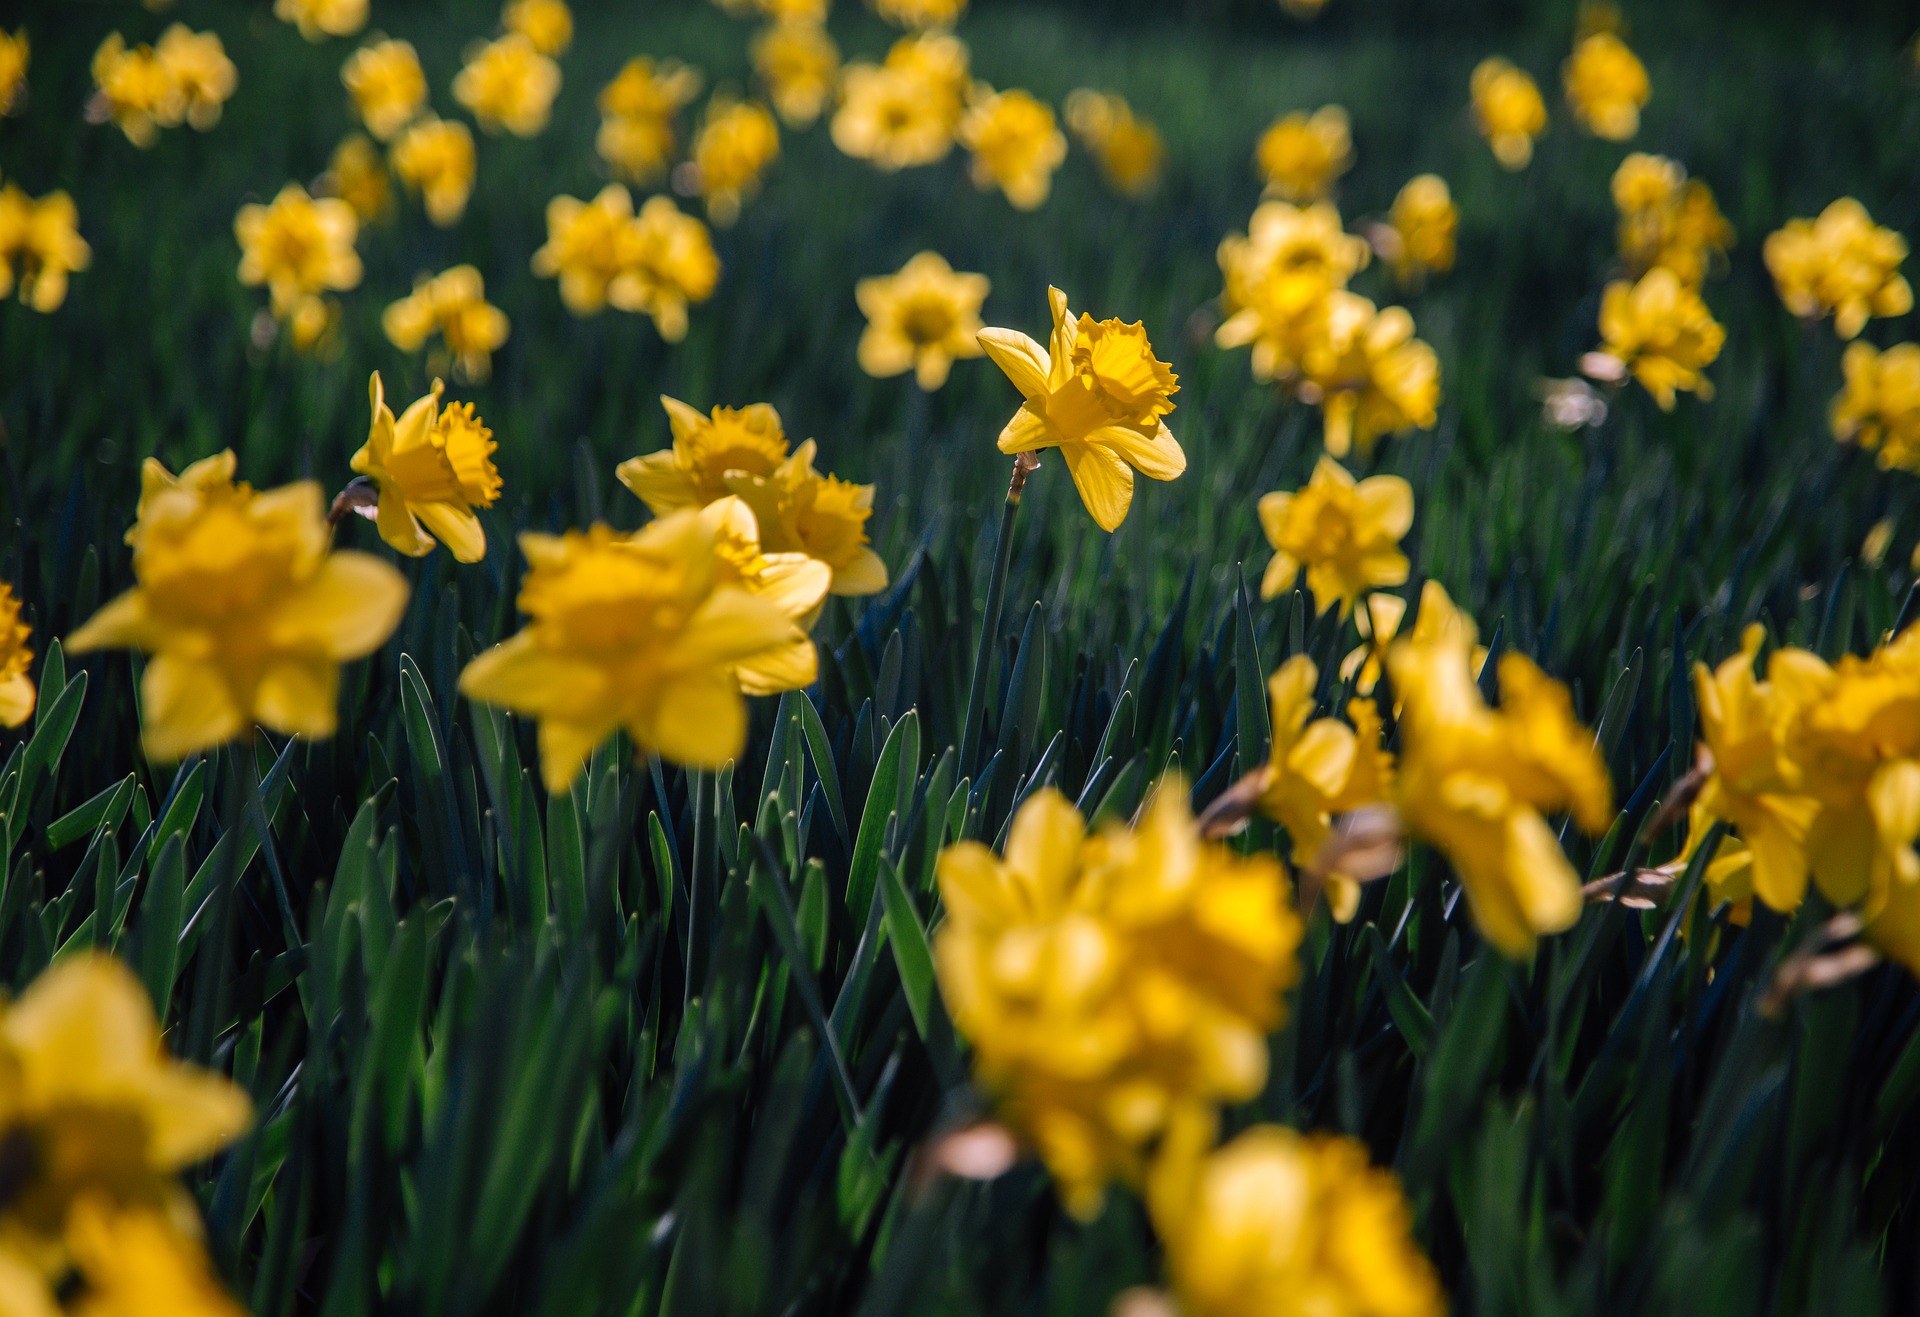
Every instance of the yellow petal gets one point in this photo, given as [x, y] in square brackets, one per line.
[397, 526]
[1279, 576]
[186, 705]
[564, 747]
[730, 627]
[519, 674]
[659, 481]
[789, 668]
[865, 574]
[1027, 432]
[1043, 846]
[1104, 481]
[701, 722]
[458, 528]
[1023, 360]
[121, 623]
[792, 582]
[1158, 457]
[192, 1114]
[346, 611]
[1387, 503]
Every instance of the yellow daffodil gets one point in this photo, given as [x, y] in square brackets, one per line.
[298, 246]
[1128, 148]
[433, 467]
[547, 24]
[1646, 183]
[1508, 110]
[1099, 395]
[1660, 330]
[134, 90]
[1369, 374]
[637, 136]
[1476, 782]
[1015, 143]
[1344, 535]
[387, 84]
[736, 143]
[358, 176]
[320, 19]
[1115, 984]
[40, 246]
[744, 452]
[630, 632]
[670, 262]
[1879, 408]
[1667, 219]
[246, 615]
[204, 76]
[800, 65]
[1606, 86]
[1302, 155]
[434, 157]
[509, 86]
[793, 582]
[454, 305]
[588, 245]
[1276, 1223]
[906, 111]
[1841, 264]
[1320, 767]
[1422, 223]
[87, 1088]
[921, 319]
[920, 14]
[137, 1261]
[1278, 278]
[16, 685]
[15, 53]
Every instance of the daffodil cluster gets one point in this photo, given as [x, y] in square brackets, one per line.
[185, 77]
[1128, 148]
[96, 1123]
[1841, 264]
[40, 246]
[657, 262]
[906, 110]
[1668, 220]
[638, 134]
[453, 305]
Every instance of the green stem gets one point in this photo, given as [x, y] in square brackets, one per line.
[1023, 465]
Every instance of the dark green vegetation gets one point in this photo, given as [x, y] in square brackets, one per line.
[515, 1055]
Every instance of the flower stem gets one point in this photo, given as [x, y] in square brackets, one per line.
[1024, 465]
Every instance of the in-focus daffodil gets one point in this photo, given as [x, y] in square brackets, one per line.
[40, 246]
[1841, 264]
[298, 246]
[922, 319]
[800, 65]
[509, 86]
[433, 467]
[736, 143]
[547, 24]
[1128, 148]
[387, 84]
[906, 111]
[1422, 225]
[454, 305]
[1301, 156]
[1508, 109]
[1099, 395]
[320, 19]
[17, 694]
[1344, 534]
[244, 612]
[1606, 86]
[1015, 144]
[434, 157]
[632, 632]
[637, 135]
[1879, 408]
[1660, 330]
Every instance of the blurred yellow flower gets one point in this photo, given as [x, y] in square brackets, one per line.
[40, 246]
[921, 319]
[744, 452]
[1368, 373]
[920, 14]
[454, 305]
[433, 468]
[1879, 408]
[1422, 223]
[15, 53]
[1016, 145]
[588, 245]
[736, 143]
[135, 90]
[387, 84]
[16, 685]
[637, 136]
[794, 11]
[1841, 264]
[1301, 156]
[1378, 621]
[88, 1091]
[297, 246]
[435, 158]
[1281, 1224]
[906, 111]
[1278, 278]
[670, 262]
[358, 176]
[800, 66]
[1127, 147]
[1508, 109]
[246, 614]
[1477, 782]
[1099, 395]
[629, 632]
[508, 85]
[1112, 985]
[1667, 219]
[1660, 330]
[201, 72]
[792, 582]
[1344, 535]
[548, 24]
[320, 19]
[1606, 86]
[1320, 768]
[136, 1261]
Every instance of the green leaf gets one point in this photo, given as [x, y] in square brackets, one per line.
[883, 798]
[910, 950]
